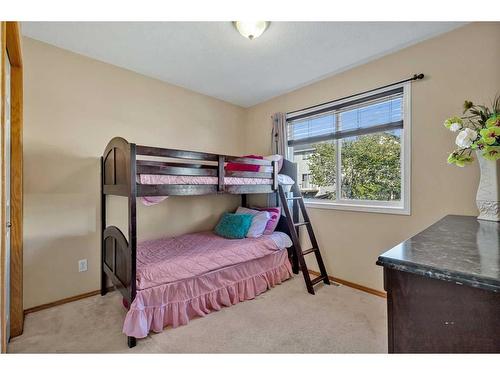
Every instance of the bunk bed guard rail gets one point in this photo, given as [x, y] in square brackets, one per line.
[123, 162]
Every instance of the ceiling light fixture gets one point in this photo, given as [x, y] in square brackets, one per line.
[251, 29]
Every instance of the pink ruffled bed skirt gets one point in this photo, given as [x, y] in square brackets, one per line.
[174, 304]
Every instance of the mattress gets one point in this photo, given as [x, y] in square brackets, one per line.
[171, 259]
[198, 291]
[157, 179]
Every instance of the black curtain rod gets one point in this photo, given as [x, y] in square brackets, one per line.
[415, 77]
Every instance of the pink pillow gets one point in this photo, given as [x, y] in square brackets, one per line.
[244, 167]
[272, 223]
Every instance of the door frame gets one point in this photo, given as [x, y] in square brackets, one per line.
[11, 42]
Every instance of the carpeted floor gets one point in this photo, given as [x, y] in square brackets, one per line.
[286, 319]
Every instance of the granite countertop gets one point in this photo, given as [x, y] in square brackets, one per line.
[458, 249]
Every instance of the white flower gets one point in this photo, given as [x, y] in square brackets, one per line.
[455, 127]
[465, 138]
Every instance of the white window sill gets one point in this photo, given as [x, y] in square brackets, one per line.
[381, 209]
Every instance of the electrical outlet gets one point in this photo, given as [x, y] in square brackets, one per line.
[82, 265]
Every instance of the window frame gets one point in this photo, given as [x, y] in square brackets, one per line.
[401, 207]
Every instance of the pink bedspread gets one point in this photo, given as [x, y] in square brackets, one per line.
[202, 288]
[172, 259]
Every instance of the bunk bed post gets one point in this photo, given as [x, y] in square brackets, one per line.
[275, 183]
[275, 175]
[132, 231]
[244, 201]
[220, 173]
[104, 279]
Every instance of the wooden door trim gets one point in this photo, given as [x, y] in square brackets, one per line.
[16, 180]
[3, 297]
[11, 41]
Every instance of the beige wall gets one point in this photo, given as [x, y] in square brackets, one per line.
[73, 107]
[462, 64]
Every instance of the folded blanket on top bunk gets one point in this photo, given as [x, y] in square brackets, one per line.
[156, 179]
[191, 275]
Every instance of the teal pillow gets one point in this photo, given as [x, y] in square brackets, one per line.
[233, 225]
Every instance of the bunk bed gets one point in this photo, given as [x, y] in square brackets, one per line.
[135, 171]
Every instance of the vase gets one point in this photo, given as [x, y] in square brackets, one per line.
[488, 192]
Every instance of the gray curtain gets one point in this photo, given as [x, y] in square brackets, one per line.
[278, 146]
[279, 135]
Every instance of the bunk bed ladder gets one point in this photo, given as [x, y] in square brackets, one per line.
[294, 228]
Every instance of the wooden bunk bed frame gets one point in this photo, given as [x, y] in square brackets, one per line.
[120, 167]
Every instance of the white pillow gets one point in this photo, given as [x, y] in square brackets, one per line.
[276, 157]
[259, 221]
[284, 179]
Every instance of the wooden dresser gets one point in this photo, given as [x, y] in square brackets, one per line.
[443, 288]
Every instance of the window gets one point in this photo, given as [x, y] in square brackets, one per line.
[354, 154]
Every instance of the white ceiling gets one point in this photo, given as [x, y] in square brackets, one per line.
[213, 59]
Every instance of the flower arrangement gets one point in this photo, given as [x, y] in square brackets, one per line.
[478, 129]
